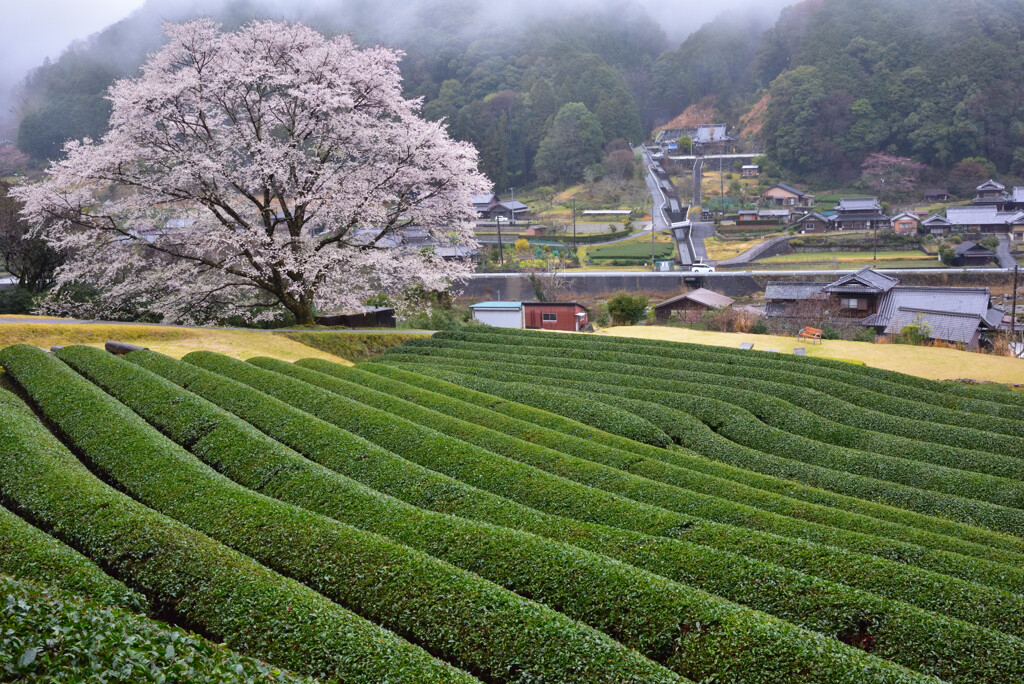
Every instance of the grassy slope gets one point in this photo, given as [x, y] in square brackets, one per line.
[174, 342]
[926, 362]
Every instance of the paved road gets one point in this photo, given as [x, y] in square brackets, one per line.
[1006, 259]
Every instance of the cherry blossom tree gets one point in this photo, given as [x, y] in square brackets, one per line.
[891, 174]
[248, 171]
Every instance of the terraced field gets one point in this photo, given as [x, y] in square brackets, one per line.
[507, 506]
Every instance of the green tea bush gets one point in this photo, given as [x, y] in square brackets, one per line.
[949, 535]
[468, 621]
[798, 554]
[52, 635]
[637, 608]
[183, 573]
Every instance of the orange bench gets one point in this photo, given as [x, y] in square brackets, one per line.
[810, 333]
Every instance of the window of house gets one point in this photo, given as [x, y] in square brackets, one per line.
[850, 303]
[549, 317]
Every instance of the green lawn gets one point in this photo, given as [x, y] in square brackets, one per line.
[633, 249]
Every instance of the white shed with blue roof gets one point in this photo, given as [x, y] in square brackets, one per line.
[499, 314]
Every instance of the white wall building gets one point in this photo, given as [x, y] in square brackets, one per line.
[499, 314]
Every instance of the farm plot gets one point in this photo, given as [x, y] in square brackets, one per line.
[646, 512]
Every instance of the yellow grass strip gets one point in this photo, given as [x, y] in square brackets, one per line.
[925, 362]
[176, 342]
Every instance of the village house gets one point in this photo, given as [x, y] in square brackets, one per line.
[568, 316]
[490, 208]
[937, 195]
[782, 195]
[813, 223]
[937, 225]
[859, 213]
[972, 254]
[1017, 234]
[906, 223]
[750, 171]
[991, 193]
[953, 314]
[690, 306]
[984, 219]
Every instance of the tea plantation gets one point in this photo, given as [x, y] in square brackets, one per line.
[506, 506]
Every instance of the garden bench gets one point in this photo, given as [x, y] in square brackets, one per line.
[810, 333]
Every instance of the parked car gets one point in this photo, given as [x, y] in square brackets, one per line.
[701, 267]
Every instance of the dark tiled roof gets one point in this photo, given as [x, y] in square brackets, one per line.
[936, 220]
[963, 300]
[793, 291]
[941, 325]
[990, 185]
[701, 296]
[974, 248]
[790, 188]
[867, 204]
[864, 281]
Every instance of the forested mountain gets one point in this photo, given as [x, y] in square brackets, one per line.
[498, 77]
[940, 81]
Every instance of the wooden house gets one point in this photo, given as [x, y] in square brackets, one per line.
[568, 316]
[813, 223]
[991, 194]
[972, 254]
[859, 213]
[937, 225]
[906, 223]
[750, 171]
[782, 195]
[937, 195]
[690, 306]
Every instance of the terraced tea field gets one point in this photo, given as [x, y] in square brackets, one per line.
[507, 506]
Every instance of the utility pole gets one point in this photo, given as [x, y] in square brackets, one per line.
[874, 240]
[501, 253]
[574, 224]
[653, 266]
[1013, 311]
[721, 179]
[512, 211]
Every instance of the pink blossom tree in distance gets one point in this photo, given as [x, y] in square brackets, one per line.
[249, 171]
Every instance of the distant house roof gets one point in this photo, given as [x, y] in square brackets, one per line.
[701, 296]
[940, 325]
[936, 220]
[962, 300]
[178, 223]
[906, 214]
[512, 205]
[813, 215]
[793, 291]
[548, 305]
[506, 306]
[711, 133]
[790, 188]
[990, 185]
[864, 281]
[851, 204]
[751, 167]
[774, 213]
[973, 248]
[936, 192]
[984, 215]
[484, 200]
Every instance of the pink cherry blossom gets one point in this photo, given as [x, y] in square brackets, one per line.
[248, 171]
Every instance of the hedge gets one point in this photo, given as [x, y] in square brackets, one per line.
[842, 422]
[350, 345]
[933, 490]
[909, 583]
[1006, 404]
[862, 391]
[185, 574]
[455, 614]
[638, 608]
[804, 412]
[673, 467]
[982, 571]
[50, 634]
[954, 536]
[27, 553]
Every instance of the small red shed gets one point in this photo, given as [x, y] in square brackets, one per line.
[555, 315]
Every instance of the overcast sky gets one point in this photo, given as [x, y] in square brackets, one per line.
[36, 29]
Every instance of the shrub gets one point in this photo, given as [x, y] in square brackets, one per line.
[830, 332]
[760, 327]
[351, 346]
[436, 604]
[639, 608]
[991, 242]
[226, 595]
[864, 334]
[31, 554]
[52, 635]
[627, 309]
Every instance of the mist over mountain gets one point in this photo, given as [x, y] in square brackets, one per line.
[940, 81]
